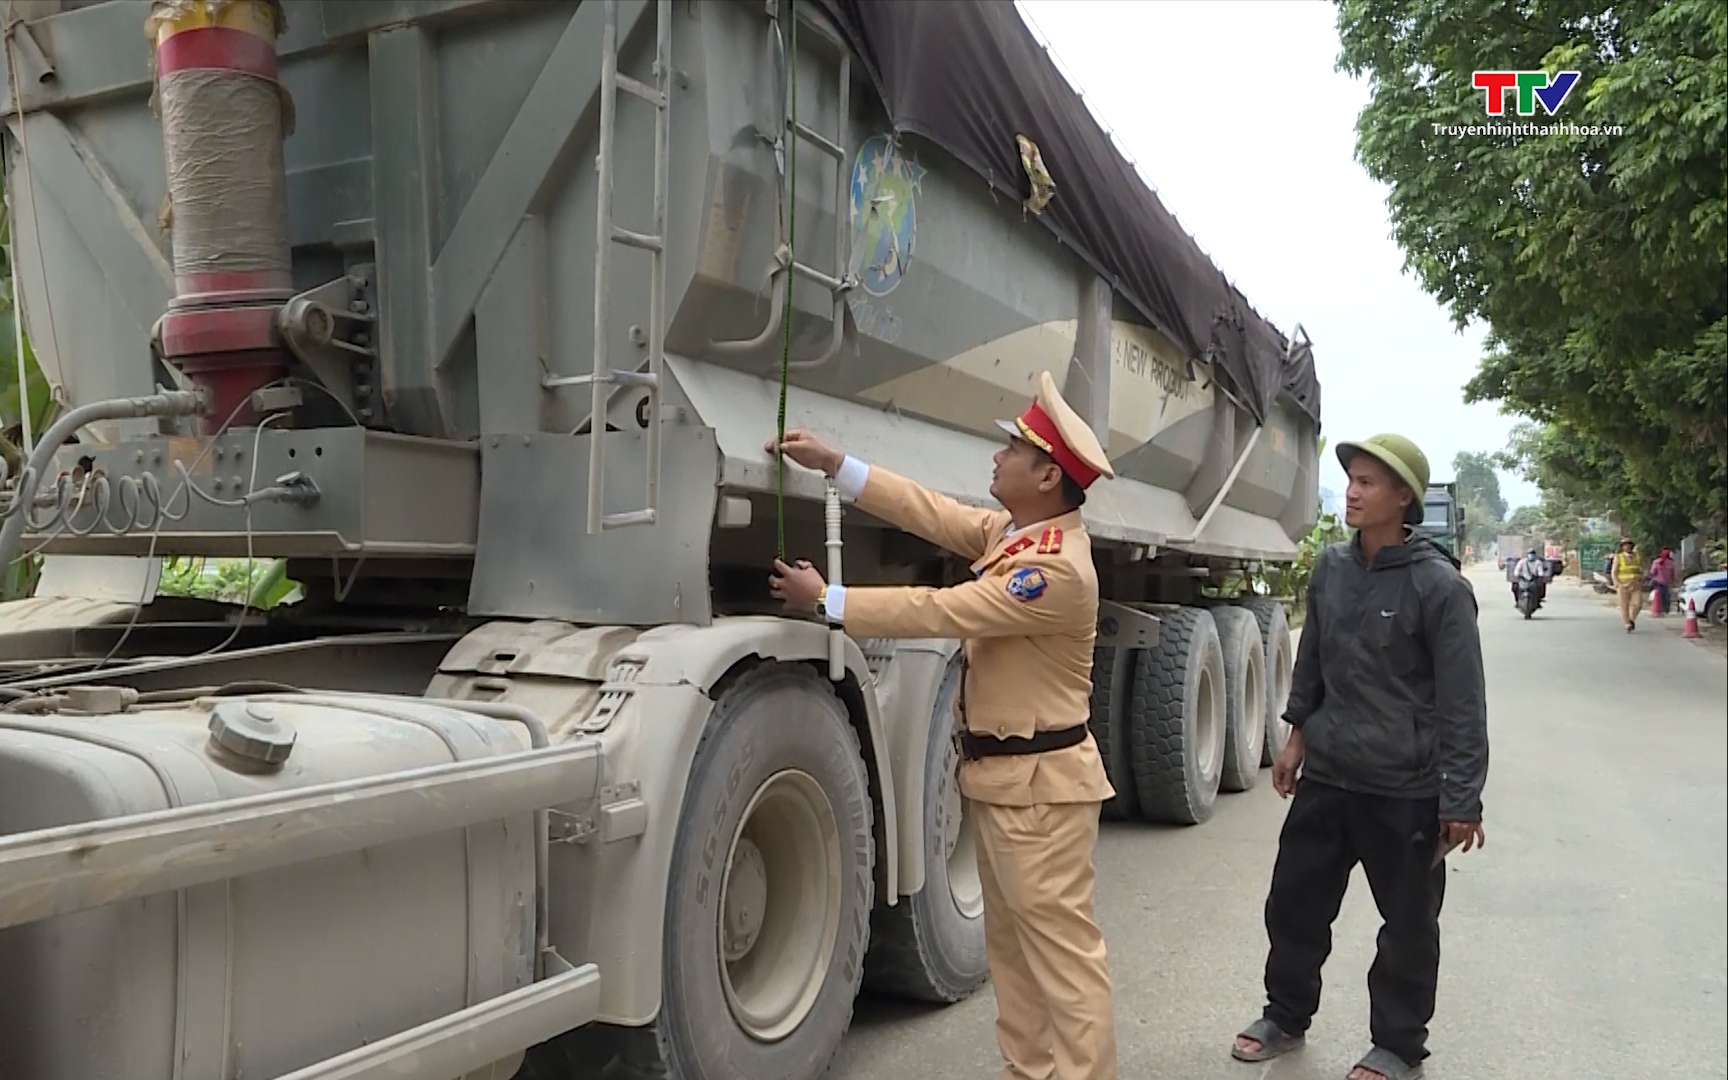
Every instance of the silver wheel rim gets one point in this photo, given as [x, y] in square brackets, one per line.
[1281, 689]
[960, 845]
[1208, 722]
[1255, 689]
[779, 905]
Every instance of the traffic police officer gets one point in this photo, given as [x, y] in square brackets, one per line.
[1030, 767]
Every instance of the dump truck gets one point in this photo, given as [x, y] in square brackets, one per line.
[1509, 548]
[478, 316]
[1443, 518]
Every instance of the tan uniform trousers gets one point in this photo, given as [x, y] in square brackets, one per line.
[1054, 1019]
[1629, 593]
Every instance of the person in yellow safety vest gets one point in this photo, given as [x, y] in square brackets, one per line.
[1628, 577]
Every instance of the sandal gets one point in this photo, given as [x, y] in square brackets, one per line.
[1273, 1041]
[1387, 1064]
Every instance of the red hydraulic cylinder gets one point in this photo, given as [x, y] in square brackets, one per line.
[224, 116]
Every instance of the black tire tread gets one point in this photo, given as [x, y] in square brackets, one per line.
[1108, 724]
[898, 962]
[1268, 613]
[1157, 726]
[1238, 628]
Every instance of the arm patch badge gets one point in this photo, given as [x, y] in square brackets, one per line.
[1027, 584]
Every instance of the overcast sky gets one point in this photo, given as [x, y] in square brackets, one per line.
[1234, 113]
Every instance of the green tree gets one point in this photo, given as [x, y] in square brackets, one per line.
[1581, 478]
[1598, 261]
[1525, 521]
[1479, 495]
[16, 396]
[1478, 483]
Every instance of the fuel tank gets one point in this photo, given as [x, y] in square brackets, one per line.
[266, 972]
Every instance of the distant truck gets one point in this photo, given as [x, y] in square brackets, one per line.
[1443, 518]
[1512, 547]
[1509, 547]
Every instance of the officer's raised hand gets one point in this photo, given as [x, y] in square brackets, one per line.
[807, 450]
[796, 586]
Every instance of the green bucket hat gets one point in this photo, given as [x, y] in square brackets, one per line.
[1403, 457]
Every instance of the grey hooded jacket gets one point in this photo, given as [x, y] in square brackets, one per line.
[1388, 687]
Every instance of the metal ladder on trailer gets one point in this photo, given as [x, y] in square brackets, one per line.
[604, 378]
[840, 282]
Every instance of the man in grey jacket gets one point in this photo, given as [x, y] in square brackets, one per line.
[1390, 734]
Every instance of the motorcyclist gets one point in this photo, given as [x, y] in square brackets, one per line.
[1533, 569]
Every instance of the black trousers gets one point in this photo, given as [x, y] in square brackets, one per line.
[1326, 833]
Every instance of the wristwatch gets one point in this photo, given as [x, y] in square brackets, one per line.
[822, 603]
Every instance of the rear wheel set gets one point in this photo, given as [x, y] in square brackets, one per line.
[1194, 715]
[930, 946]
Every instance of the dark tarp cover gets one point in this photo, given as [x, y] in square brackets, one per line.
[969, 76]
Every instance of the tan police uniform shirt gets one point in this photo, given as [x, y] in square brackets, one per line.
[1027, 622]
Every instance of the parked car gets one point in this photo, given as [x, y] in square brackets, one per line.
[1708, 592]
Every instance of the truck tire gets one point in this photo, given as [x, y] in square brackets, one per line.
[1244, 697]
[1176, 711]
[1280, 662]
[1112, 678]
[930, 946]
[774, 834]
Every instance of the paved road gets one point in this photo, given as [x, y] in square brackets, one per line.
[1586, 941]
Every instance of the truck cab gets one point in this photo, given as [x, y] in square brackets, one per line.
[1443, 518]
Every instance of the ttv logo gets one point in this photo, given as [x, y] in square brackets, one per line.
[1532, 86]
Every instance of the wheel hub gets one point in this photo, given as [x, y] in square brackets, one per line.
[951, 815]
[779, 905]
[959, 846]
[746, 896]
[1207, 723]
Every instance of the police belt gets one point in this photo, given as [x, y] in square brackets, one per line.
[973, 747]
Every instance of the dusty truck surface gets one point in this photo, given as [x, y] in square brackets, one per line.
[479, 314]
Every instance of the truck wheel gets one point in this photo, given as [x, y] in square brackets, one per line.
[930, 946]
[1280, 661]
[1244, 696]
[1112, 676]
[1176, 711]
[768, 898]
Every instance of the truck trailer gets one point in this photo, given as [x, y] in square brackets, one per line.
[479, 314]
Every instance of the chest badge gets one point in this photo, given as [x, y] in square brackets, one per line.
[1027, 584]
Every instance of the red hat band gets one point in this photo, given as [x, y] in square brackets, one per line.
[1037, 428]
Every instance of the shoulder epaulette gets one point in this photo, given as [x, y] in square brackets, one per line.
[1051, 542]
